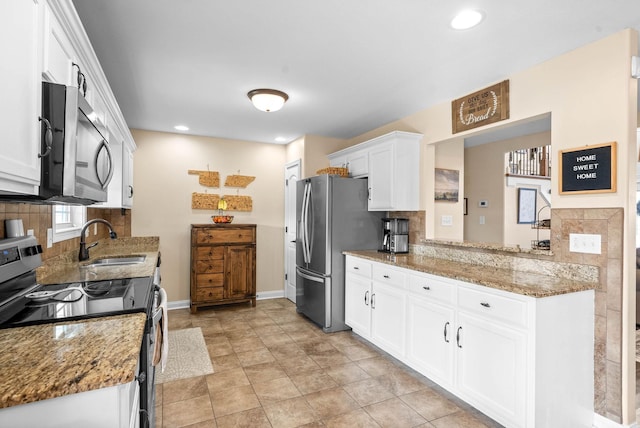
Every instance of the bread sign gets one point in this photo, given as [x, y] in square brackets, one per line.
[481, 108]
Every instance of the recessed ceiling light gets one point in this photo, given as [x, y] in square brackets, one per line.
[181, 128]
[466, 19]
[281, 139]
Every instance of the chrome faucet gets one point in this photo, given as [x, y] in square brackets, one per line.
[84, 250]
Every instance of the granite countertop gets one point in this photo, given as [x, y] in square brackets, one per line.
[51, 360]
[66, 268]
[525, 283]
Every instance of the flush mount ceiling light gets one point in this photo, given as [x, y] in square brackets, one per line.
[268, 99]
[466, 19]
[181, 128]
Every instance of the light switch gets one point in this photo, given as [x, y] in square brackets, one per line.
[481, 219]
[447, 220]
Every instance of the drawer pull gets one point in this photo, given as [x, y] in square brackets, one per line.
[426, 287]
[458, 337]
[386, 276]
[366, 298]
[485, 304]
[356, 268]
[446, 325]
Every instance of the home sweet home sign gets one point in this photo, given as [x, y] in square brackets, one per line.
[588, 169]
[481, 108]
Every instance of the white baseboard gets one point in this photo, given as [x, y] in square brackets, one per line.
[185, 304]
[263, 295]
[600, 421]
[179, 304]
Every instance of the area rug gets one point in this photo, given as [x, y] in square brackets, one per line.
[188, 356]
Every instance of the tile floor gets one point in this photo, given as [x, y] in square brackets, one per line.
[274, 368]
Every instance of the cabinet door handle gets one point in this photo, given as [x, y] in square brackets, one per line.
[130, 191]
[369, 193]
[366, 298]
[386, 276]
[426, 287]
[48, 137]
[356, 268]
[446, 325]
[373, 301]
[485, 304]
[458, 337]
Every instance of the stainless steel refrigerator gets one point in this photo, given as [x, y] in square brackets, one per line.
[332, 217]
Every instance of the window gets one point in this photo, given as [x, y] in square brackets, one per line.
[67, 221]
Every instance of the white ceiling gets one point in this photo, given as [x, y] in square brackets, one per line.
[348, 66]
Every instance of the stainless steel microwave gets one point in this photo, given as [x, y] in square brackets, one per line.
[77, 164]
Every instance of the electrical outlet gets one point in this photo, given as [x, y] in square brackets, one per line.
[95, 228]
[30, 232]
[585, 243]
[49, 238]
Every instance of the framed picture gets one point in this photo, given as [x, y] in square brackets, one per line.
[447, 185]
[527, 205]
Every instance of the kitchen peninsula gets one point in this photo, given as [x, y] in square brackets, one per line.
[513, 342]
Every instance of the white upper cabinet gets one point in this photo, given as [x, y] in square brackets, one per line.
[58, 54]
[391, 163]
[355, 161]
[45, 40]
[21, 35]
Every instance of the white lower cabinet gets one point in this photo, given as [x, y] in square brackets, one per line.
[490, 368]
[430, 327]
[113, 407]
[523, 361]
[357, 309]
[373, 299]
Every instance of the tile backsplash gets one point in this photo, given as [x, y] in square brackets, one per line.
[38, 218]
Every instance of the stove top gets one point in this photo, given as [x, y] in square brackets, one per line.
[79, 300]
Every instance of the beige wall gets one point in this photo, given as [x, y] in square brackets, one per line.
[163, 191]
[485, 180]
[316, 149]
[313, 151]
[449, 156]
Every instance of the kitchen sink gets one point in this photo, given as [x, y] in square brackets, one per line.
[116, 261]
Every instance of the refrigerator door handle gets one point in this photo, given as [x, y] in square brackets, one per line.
[307, 224]
[310, 277]
[303, 234]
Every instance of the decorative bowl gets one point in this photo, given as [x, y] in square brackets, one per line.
[222, 218]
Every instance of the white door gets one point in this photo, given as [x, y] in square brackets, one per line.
[291, 177]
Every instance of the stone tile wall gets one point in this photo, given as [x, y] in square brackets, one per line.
[608, 223]
[417, 224]
[38, 218]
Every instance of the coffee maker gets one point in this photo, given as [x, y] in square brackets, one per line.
[395, 235]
